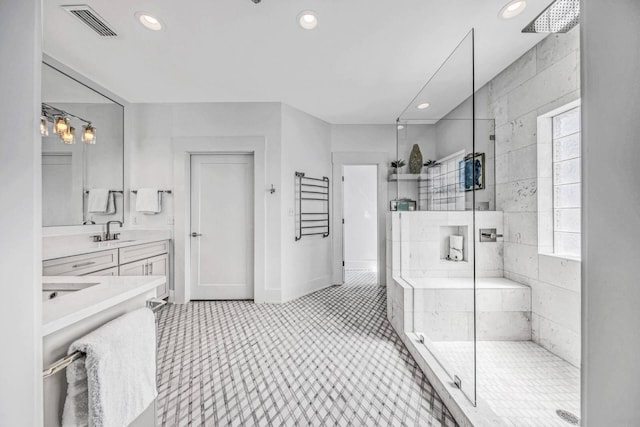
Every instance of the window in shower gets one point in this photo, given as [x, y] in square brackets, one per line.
[566, 183]
[559, 181]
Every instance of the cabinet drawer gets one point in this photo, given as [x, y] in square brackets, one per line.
[138, 252]
[80, 265]
[113, 271]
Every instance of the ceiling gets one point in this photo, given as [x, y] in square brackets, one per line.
[364, 63]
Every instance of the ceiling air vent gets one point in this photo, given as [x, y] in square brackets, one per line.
[87, 15]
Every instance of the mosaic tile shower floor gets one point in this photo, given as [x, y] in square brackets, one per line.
[330, 358]
[522, 382]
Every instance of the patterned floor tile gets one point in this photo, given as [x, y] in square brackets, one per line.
[328, 359]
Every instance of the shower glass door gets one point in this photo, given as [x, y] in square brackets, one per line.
[436, 196]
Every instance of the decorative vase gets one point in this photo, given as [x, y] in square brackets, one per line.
[415, 160]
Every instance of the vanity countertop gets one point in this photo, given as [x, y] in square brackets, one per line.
[62, 251]
[107, 292]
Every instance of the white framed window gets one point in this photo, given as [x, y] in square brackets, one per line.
[559, 182]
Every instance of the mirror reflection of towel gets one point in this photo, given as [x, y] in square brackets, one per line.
[101, 201]
[111, 203]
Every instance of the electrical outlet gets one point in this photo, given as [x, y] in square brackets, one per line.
[170, 220]
[134, 220]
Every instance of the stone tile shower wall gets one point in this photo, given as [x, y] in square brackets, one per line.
[543, 79]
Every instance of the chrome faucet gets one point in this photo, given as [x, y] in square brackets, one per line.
[108, 235]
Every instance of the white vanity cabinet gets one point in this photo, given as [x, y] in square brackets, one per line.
[154, 262]
[146, 259]
[80, 265]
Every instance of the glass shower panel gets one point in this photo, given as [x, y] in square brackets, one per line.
[436, 192]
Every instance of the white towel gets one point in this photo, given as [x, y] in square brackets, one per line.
[455, 242]
[98, 200]
[111, 203]
[149, 201]
[116, 381]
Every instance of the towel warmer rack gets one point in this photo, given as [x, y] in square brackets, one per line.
[159, 191]
[154, 304]
[313, 206]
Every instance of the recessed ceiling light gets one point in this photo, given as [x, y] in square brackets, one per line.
[308, 20]
[400, 127]
[512, 9]
[149, 21]
[423, 106]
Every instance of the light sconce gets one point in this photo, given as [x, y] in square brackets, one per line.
[89, 134]
[44, 126]
[60, 125]
[68, 136]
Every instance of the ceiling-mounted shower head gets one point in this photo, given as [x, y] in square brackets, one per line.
[559, 17]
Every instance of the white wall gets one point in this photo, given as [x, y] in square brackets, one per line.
[20, 222]
[151, 159]
[306, 147]
[360, 207]
[610, 219]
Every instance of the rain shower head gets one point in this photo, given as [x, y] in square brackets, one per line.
[559, 17]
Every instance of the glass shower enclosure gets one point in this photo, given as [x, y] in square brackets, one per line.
[445, 206]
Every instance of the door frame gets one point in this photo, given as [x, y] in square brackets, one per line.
[183, 148]
[339, 160]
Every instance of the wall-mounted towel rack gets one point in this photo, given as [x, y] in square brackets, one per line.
[110, 191]
[154, 304]
[312, 217]
[159, 191]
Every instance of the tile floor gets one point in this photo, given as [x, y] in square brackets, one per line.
[522, 382]
[330, 358]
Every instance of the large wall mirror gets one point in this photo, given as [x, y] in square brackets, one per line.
[82, 153]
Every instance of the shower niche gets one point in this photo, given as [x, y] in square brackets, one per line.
[453, 243]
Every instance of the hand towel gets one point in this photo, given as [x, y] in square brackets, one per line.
[111, 203]
[455, 242]
[149, 201]
[98, 200]
[455, 247]
[116, 380]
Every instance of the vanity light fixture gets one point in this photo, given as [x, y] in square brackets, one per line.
[44, 126]
[423, 106]
[89, 134]
[149, 21]
[60, 125]
[512, 9]
[68, 136]
[308, 20]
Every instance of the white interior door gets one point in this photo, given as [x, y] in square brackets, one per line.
[222, 237]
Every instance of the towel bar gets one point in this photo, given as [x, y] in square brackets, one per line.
[154, 304]
[110, 191]
[159, 191]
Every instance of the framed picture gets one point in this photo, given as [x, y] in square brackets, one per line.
[471, 171]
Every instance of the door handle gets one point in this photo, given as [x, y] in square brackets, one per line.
[194, 234]
[150, 269]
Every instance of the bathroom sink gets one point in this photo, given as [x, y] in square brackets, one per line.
[113, 243]
[56, 290]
